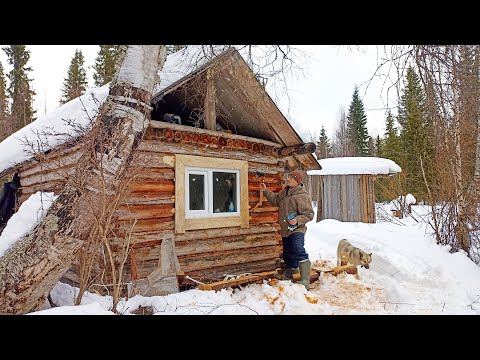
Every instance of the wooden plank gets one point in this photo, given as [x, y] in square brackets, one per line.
[179, 195]
[239, 281]
[209, 103]
[214, 222]
[244, 222]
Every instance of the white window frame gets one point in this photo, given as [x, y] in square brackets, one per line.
[187, 219]
[208, 189]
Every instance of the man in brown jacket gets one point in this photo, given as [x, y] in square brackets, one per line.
[294, 211]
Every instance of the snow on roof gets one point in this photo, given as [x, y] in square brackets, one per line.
[184, 62]
[355, 166]
[13, 149]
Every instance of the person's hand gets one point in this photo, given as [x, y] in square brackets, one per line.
[263, 186]
[293, 221]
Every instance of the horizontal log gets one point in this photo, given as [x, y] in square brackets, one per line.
[256, 187]
[263, 218]
[349, 269]
[239, 281]
[211, 265]
[268, 169]
[54, 160]
[219, 272]
[125, 212]
[204, 233]
[267, 179]
[152, 160]
[174, 127]
[61, 175]
[147, 198]
[148, 225]
[208, 245]
[191, 149]
[164, 186]
[151, 173]
[300, 149]
[263, 209]
[54, 186]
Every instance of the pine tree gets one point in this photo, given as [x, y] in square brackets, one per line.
[75, 83]
[106, 63]
[357, 125]
[20, 91]
[324, 149]
[415, 135]
[3, 104]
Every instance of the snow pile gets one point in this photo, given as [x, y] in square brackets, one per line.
[356, 166]
[25, 219]
[409, 274]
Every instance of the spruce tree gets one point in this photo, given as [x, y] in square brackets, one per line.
[378, 146]
[357, 126]
[372, 150]
[20, 90]
[106, 63]
[75, 83]
[324, 148]
[3, 105]
[415, 135]
[390, 148]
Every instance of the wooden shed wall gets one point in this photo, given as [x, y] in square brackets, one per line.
[344, 197]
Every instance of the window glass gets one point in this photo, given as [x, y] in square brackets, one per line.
[224, 192]
[196, 186]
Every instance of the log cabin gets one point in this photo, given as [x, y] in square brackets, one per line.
[214, 135]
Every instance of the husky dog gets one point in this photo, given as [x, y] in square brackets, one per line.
[347, 253]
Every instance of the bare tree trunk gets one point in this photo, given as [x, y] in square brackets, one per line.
[34, 264]
[476, 176]
[462, 231]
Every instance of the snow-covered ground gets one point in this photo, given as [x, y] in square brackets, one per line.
[409, 274]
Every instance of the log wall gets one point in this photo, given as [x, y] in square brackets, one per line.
[150, 203]
[205, 254]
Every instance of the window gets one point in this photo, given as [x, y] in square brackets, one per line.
[210, 193]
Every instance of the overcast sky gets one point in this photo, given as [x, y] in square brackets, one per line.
[315, 99]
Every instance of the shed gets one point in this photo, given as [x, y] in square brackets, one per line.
[214, 135]
[344, 187]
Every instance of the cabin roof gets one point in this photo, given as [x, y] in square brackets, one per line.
[356, 166]
[241, 98]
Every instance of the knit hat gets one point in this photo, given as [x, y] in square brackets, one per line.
[297, 175]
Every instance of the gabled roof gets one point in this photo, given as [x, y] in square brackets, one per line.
[237, 88]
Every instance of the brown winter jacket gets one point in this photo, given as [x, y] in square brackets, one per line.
[288, 201]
